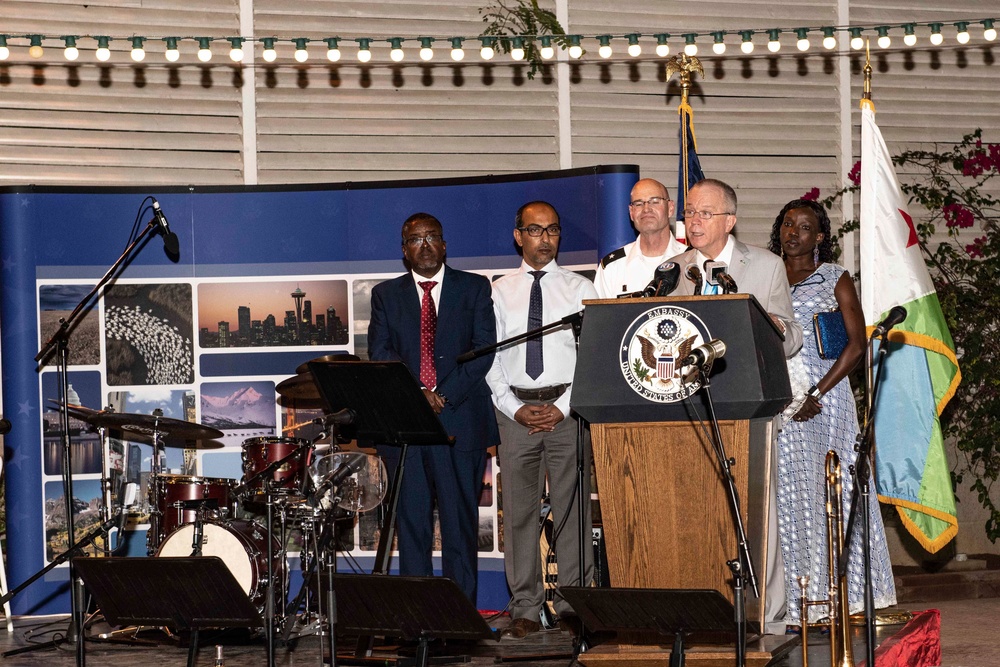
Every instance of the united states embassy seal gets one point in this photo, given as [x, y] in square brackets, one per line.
[652, 349]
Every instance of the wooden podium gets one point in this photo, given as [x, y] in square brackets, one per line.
[666, 516]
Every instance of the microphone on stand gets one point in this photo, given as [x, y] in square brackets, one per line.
[170, 242]
[727, 282]
[345, 470]
[693, 274]
[896, 315]
[664, 281]
[341, 418]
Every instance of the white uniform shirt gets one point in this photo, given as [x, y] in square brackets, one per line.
[631, 272]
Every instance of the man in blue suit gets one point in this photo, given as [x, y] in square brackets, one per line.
[426, 318]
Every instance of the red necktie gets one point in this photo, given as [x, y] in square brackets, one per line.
[428, 329]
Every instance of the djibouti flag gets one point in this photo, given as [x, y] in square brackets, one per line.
[921, 373]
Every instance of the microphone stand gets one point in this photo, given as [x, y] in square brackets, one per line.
[58, 345]
[861, 473]
[74, 549]
[742, 566]
[574, 320]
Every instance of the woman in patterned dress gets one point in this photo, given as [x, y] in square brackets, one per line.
[822, 417]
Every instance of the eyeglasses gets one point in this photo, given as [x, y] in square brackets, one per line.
[416, 241]
[652, 201]
[536, 230]
[704, 215]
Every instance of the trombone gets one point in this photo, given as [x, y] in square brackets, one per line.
[837, 603]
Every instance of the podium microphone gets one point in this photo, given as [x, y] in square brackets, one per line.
[704, 355]
[663, 283]
[341, 418]
[170, 242]
[693, 274]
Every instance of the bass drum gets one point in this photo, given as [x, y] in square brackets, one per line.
[241, 545]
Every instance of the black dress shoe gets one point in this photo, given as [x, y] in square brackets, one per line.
[520, 628]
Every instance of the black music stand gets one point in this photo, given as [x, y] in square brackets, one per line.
[402, 417]
[181, 593]
[412, 608]
[654, 615]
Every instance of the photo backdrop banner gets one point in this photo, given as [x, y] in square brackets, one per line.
[267, 278]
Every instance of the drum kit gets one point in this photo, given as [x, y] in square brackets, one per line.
[289, 485]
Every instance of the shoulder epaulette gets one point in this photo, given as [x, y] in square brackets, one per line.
[612, 256]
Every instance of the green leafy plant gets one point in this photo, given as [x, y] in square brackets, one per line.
[507, 19]
[954, 186]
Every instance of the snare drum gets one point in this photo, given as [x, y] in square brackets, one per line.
[258, 453]
[241, 545]
[177, 490]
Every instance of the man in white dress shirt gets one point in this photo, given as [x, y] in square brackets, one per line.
[631, 267]
[531, 389]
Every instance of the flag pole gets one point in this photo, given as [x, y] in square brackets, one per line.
[685, 66]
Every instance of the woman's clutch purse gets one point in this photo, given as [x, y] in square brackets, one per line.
[831, 334]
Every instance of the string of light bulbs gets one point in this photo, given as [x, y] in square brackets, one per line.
[547, 44]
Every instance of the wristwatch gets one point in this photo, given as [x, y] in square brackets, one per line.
[814, 392]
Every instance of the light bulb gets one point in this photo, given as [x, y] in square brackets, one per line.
[662, 48]
[269, 54]
[517, 49]
[575, 50]
[634, 50]
[332, 49]
[171, 54]
[857, 41]
[71, 52]
[426, 52]
[989, 32]
[36, 50]
[690, 48]
[364, 55]
[103, 53]
[487, 53]
[137, 53]
[236, 50]
[547, 51]
[773, 45]
[457, 52]
[301, 53]
[829, 39]
[884, 42]
[204, 50]
[909, 39]
[962, 37]
[746, 47]
[719, 46]
[937, 39]
[4, 49]
[604, 50]
[396, 49]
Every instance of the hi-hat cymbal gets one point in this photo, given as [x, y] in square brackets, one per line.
[304, 368]
[176, 433]
[299, 391]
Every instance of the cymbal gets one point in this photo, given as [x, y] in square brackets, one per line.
[173, 430]
[79, 411]
[304, 368]
[299, 391]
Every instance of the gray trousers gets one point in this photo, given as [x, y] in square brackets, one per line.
[524, 461]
